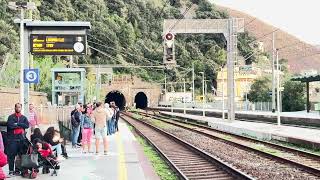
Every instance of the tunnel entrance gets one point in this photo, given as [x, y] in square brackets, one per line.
[117, 97]
[141, 100]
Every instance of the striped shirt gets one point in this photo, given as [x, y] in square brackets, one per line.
[33, 121]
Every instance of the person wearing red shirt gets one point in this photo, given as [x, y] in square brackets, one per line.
[16, 135]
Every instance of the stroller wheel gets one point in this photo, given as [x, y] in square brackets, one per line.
[45, 170]
[25, 173]
[33, 175]
[54, 173]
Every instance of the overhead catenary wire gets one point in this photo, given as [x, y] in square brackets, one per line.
[182, 17]
[103, 44]
[122, 52]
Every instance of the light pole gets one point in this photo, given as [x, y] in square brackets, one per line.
[273, 75]
[203, 112]
[278, 88]
[22, 6]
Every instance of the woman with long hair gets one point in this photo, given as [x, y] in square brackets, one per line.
[87, 129]
[36, 135]
[53, 138]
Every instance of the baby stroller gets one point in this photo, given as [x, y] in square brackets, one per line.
[47, 160]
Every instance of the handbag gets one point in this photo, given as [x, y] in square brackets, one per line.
[29, 160]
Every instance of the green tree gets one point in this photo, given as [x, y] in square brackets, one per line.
[260, 90]
[293, 98]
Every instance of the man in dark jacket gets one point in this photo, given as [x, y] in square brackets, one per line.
[16, 135]
[75, 123]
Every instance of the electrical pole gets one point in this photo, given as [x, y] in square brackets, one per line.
[165, 83]
[278, 89]
[273, 75]
[232, 47]
[184, 96]
[222, 94]
[193, 95]
[203, 96]
[22, 58]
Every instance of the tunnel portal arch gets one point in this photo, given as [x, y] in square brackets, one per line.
[117, 97]
[141, 100]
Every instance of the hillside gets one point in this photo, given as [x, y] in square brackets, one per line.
[127, 32]
[300, 55]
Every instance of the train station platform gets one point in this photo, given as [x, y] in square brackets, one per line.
[125, 160]
[296, 135]
[300, 118]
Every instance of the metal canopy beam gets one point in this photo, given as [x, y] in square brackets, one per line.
[307, 78]
[196, 26]
[229, 28]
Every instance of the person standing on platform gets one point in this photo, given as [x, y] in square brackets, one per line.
[87, 128]
[100, 116]
[117, 111]
[113, 119]
[75, 123]
[108, 118]
[16, 135]
[83, 107]
[33, 118]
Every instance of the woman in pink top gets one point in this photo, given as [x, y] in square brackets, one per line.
[33, 119]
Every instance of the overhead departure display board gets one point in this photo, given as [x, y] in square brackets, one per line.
[42, 44]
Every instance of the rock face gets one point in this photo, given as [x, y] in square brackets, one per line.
[301, 56]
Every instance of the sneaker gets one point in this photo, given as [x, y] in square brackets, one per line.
[106, 153]
[11, 174]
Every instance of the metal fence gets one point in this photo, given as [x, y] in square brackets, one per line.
[240, 106]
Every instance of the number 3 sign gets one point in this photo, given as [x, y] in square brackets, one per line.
[31, 76]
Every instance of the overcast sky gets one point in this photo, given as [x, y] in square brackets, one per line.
[297, 17]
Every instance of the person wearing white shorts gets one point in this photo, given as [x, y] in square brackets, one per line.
[100, 116]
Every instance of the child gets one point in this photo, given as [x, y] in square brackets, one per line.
[43, 148]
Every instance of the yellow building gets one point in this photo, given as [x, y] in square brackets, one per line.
[244, 77]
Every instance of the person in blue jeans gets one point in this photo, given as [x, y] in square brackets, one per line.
[75, 123]
[113, 119]
[109, 117]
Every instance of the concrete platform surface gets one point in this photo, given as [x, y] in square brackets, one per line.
[260, 130]
[298, 114]
[125, 160]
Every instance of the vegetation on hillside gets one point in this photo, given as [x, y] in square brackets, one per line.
[129, 32]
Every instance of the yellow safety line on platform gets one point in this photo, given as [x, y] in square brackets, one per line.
[122, 169]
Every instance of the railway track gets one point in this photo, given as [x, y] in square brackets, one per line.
[188, 161]
[304, 160]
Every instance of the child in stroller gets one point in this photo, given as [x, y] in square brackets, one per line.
[46, 157]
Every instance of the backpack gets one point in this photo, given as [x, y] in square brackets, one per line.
[74, 122]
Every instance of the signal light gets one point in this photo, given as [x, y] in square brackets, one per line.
[169, 36]
[168, 58]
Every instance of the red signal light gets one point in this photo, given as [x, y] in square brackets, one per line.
[169, 36]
